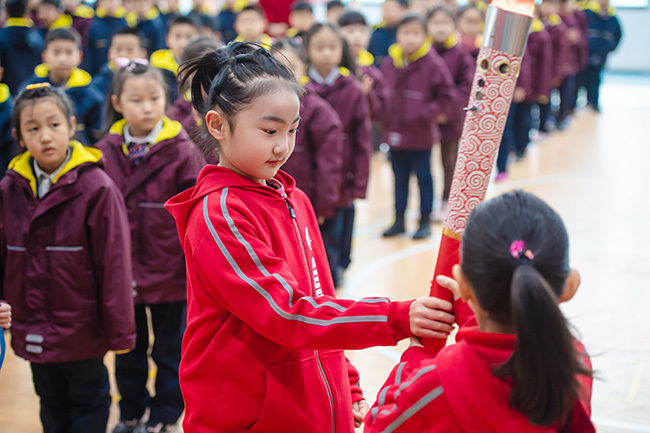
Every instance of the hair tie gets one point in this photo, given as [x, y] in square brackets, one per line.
[519, 252]
[37, 86]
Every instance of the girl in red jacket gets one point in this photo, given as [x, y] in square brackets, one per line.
[151, 159]
[331, 75]
[520, 370]
[263, 347]
[65, 267]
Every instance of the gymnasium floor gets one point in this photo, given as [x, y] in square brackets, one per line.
[595, 174]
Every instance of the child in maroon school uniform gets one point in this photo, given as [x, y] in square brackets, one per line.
[421, 90]
[316, 162]
[150, 158]
[332, 76]
[515, 368]
[441, 24]
[65, 266]
[557, 29]
[470, 27]
[577, 45]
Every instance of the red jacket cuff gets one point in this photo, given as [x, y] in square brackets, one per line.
[415, 355]
[399, 319]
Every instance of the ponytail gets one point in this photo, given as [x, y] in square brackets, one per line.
[515, 254]
[544, 364]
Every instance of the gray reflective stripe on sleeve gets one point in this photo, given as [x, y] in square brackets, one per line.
[32, 348]
[374, 301]
[408, 413]
[34, 338]
[381, 398]
[418, 375]
[266, 295]
[249, 249]
[152, 205]
[314, 304]
[15, 248]
[57, 248]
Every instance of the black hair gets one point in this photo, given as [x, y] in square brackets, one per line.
[30, 96]
[403, 3]
[522, 293]
[412, 18]
[132, 69]
[253, 8]
[347, 61]
[129, 31]
[333, 4]
[183, 19]
[441, 9]
[230, 78]
[63, 35]
[291, 44]
[198, 46]
[16, 8]
[350, 18]
[302, 6]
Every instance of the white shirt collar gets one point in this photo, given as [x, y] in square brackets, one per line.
[46, 180]
[151, 138]
[328, 81]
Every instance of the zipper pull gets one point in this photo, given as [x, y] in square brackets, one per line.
[291, 211]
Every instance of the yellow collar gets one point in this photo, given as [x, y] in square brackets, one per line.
[64, 21]
[164, 59]
[119, 13]
[537, 26]
[78, 77]
[292, 32]
[84, 11]
[451, 41]
[555, 20]
[19, 22]
[594, 6]
[5, 93]
[379, 25]
[170, 129]
[396, 52]
[151, 14]
[239, 5]
[304, 80]
[265, 40]
[81, 154]
[365, 58]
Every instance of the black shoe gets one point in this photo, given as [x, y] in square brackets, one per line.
[424, 230]
[126, 426]
[157, 428]
[398, 228]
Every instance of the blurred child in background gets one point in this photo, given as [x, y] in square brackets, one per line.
[150, 24]
[20, 45]
[441, 24]
[227, 16]
[421, 91]
[332, 75]
[335, 8]
[250, 24]
[81, 15]
[50, 16]
[470, 27]
[300, 20]
[125, 44]
[384, 34]
[7, 143]
[110, 18]
[60, 68]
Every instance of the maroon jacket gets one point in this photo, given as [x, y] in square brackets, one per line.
[583, 24]
[573, 50]
[171, 166]
[538, 58]
[346, 99]
[418, 93]
[316, 163]
[377, 96]
[461, 65]
[560, 49]
[65, 267]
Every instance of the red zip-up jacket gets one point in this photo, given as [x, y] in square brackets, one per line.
[262, 351]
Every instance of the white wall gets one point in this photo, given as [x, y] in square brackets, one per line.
[633, 54]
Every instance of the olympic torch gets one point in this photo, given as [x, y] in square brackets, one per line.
[507, 24]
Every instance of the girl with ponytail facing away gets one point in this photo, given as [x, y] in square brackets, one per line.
[515, 366]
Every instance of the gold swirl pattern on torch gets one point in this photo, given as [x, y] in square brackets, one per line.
[481, 137]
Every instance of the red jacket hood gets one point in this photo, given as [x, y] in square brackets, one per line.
[214, 178]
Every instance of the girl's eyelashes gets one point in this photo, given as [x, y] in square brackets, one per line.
[293, 131]
[270, 131]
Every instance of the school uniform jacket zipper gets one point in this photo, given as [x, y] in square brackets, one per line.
[321, 370]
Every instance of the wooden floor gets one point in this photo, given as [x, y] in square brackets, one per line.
[596, 175]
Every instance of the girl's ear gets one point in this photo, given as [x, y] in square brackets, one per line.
[115, 102]
[466, 292]
[217, 124]
[571, 286]
[73, 126]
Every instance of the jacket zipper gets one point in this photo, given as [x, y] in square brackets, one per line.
[321, 370]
